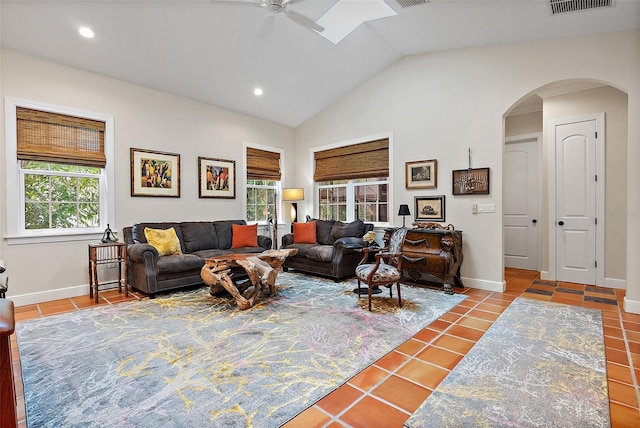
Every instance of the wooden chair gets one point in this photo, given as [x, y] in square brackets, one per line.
[386, 270]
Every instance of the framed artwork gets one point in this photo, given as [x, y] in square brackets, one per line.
[471, 181]
[216, 178]
[421, 174]
[430, 208]
[155, 173]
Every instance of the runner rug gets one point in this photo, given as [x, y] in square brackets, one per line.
[541, 364]
[191, 360]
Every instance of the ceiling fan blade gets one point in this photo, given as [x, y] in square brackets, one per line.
[265, 25]
[304, 21]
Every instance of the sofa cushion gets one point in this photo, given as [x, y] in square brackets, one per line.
[323, 231]
[199, 235]
[137, 231]
[164, 240]
[343, 230]
[224, 232]
[303, 249]
[304, 233]
[178, 263]
[244, 235]
[321, 253]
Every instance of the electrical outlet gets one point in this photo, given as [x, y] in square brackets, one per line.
[486, 208]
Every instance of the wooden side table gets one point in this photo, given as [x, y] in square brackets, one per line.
[106, 253]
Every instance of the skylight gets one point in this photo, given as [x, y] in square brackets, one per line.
[347, 15]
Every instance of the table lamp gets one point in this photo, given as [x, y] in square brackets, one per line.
[404, 211]
[291, 195]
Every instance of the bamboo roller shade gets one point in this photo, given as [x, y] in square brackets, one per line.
[364, 160]
[58, 138]
[263, 165]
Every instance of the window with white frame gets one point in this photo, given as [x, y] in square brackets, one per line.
[352, 182]
[263, 183]
[59, 163]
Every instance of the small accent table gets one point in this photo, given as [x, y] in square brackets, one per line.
[107, 253]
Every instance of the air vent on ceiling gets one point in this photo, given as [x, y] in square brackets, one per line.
[408, 3]
[563, 6]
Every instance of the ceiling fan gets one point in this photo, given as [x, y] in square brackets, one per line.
[280, 7]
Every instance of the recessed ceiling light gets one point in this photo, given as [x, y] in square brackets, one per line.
[86, 32]
[257, 92]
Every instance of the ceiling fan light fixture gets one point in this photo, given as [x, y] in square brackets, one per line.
[258, 92]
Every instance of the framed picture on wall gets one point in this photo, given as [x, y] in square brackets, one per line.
[216, 178]
[471, 181]
[431, 208]
[155, 173]
[421, 174]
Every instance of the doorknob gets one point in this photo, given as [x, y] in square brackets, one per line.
[561, 223]
[534, 221]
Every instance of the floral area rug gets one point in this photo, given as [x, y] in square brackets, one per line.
[189, 359]
[541, 364]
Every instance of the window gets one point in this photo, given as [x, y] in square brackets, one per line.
[352, 182]
[60, 196]
[263, 181]
[59, 163]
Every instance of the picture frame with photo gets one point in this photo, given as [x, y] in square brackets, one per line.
[216, 178]
[430, 208]
[472, 181]
[155, 173]
[421, 174]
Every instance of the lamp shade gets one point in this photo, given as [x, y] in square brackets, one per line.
[293, 194]
[404, 210]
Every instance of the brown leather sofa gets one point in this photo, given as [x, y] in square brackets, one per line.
[151, 273]
[335, 254]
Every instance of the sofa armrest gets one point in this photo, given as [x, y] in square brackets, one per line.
[287, 239]
[136, 252]
[265, 242]
[349, 244]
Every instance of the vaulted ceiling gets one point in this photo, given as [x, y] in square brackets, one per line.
[217, 51]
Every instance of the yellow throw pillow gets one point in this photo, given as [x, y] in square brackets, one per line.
[164, 240]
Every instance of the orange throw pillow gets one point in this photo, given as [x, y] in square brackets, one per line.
[244, 236]
[304, 233]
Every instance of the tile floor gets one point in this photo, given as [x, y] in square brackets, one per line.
[390, 390]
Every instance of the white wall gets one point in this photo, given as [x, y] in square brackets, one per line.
[143, 118]
[438, 105]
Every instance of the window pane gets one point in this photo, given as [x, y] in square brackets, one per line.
[36, 187]
[89, 215]
[34, 165]
[89, 190]
[64, 215]
[36, 215]
[64, 189]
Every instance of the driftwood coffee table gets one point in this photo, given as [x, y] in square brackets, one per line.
[226, 272]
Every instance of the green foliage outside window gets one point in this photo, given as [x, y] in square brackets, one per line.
[261, 195]
[60, 196]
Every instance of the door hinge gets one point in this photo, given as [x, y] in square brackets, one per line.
[596, 220]
[596, 263]
[596, 177]
[596, 134]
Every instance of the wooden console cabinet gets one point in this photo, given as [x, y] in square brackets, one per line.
[432, 254]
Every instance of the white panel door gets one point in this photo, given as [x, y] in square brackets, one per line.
[521, 207]
[575, 145]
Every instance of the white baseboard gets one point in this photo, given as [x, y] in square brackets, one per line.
[45, 296]
[615, 283]
[482, 284]
[631, 306]
[544, 275]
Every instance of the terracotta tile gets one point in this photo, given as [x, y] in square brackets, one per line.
[368, 378]
[484, 315]
[613, 332]
[489, 307]
[372, 413]
[623, 416]
[634, 347]
[611, 322]
[474, 299]
[402, 393]
[595, 305]
[610, 313]
[410, 347]
[440, 357]
[461, 310]
[454, 344]
[56, 303]
[518, 283]
[85, 305]
[336, 424]
[530, 274]
[635, 359]
[465, 332]
[422, 373]
[571, 285]
[310, 418]
[25, 308]
[426, 335]
[391, 361]
[439, 325]
[468, 303]
[617, 356]
[619, 373]
[475, 323]
[615, 343]
[573, 301]
[339, 399]
[631, 326]
[24, 316]
[450, 317]
[622, 393]
[633, 336]
[477, 292]
[630, 317]
[54, 310]
[502, 303]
